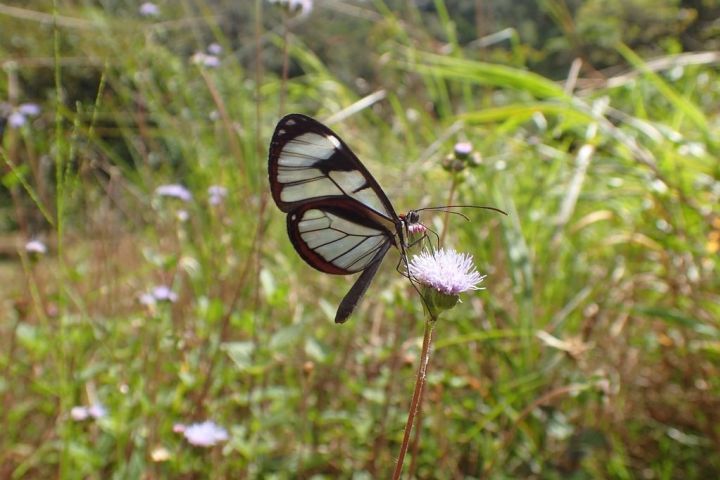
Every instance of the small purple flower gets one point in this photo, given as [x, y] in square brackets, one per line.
[174, 191]
[163, 293]
[149, 9]
[214, 48]
[19, 116]
[79, 413]
[216, 194]
[97, 410]
[182, 215]
[147, 299]
[446, 271]
[205, 434]
[29, 109]
[35, 247]
[463, 149]
[16, 120]
[205, 60]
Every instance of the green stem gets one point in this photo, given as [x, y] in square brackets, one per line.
[417, 394]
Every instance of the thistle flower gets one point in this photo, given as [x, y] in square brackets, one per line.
[97, 410]
[444, 274]
[80, 413]
[174, 191]
[161, 293]
[463, 149]
[205, 434]
[216, 194]
[35, 247]
[205, 60]
[18, 117]
[29, 109]
[149, 9]
[462, 156]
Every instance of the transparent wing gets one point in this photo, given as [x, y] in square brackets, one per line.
[339, 236]
[308, 161]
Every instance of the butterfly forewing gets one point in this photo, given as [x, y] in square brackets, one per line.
[309, 161]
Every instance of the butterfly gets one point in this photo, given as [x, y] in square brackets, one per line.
[338, 217]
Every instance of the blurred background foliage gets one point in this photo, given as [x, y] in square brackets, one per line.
[593, 353]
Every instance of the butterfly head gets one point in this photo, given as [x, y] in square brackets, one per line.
[412, 223]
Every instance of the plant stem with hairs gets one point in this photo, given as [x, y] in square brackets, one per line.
[417, 394]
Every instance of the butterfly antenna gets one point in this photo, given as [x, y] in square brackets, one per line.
[446, 208]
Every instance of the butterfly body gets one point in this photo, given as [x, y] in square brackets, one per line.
[338, 217]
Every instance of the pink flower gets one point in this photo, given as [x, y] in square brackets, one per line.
[35, 247]
[446, 271]
[216, 194]
[205, 434]
[174, 191]
[149, 9]
[80, 413]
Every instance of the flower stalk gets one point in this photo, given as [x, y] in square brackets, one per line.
[417, 393]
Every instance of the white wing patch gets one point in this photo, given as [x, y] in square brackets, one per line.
[305, 150]
[341, 242]
[334, 140]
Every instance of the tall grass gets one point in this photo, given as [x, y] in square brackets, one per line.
[592, 353]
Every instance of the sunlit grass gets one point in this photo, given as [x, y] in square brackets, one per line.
[592, 352]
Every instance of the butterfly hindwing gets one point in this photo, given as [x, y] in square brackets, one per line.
[339, 236]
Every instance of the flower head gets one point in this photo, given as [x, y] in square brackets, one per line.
[444, 274]
[216, 194]
[163, 293]
[18, 116]
[35, 247]
[214, 48]
[174, 191]
[29, 109]
[205, 60]
[463, 149]
[205, 434]
[446, 271]
[149, 9]
[97, 410]
[16, 120]
[80, 412]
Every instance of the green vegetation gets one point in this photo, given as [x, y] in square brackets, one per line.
[594, 351]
